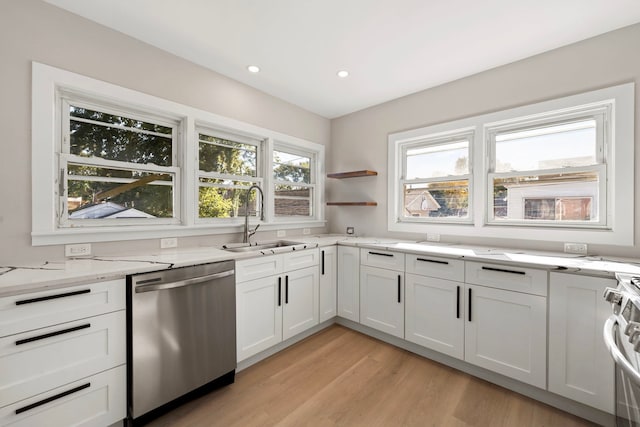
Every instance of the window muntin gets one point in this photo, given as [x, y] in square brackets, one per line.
[555, 158]
[293, 183]
[228, 166]
[117, 167]
[437, 178]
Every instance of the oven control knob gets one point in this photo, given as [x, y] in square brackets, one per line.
[613, 296]
[636, 346]
[632, 328]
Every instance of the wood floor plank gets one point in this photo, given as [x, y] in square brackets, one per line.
[339, 377]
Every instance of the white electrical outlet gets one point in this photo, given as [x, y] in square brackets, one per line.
[170, 242]
[306, 231]
[575, 248]
[81, 249]
[433, 237]
[281, 233]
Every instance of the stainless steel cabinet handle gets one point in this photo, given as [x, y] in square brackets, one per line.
[617, 356]
[182, 283]
[50, 297]
[52, 398]
[52, 334]
[503, 270]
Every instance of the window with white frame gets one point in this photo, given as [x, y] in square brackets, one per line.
[550, 171]
[116, 166]
[436, 178]
[228, 164]
[293, 182]
[558, 170]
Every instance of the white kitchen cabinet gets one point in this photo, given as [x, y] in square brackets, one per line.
[300, 306]
[278, 306]
[63, 355]
[580, 366]
[382, 290]
[435, 314]
[506, 332]
[328, 282]
[349, 283]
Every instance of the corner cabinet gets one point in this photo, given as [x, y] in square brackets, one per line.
[354, 174]
[328, 282]
[349, 283]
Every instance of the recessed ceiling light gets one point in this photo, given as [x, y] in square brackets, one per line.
[343, 73]
[253, 68]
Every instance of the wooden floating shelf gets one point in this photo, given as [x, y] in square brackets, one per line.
[354, 174]
[352, 203]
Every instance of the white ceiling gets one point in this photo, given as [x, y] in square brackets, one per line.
[391, 47]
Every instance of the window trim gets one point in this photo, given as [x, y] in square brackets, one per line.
[48, 81]
[619, 169]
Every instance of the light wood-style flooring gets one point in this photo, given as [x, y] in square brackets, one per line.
[339, 377]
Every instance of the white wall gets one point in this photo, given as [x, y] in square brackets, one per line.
[359, 140]
[31, 30]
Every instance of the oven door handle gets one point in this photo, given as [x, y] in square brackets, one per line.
[617, 356]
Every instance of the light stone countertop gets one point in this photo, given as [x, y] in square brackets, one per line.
[21, 279]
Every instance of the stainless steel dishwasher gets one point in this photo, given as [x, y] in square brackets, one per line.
[181, 335]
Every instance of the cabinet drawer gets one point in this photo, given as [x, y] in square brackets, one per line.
[35, 310]
[98, 400]
[35, 361]
[382, 259]
[301, 259]
[519, 279]
[431, 266]
[255, 268]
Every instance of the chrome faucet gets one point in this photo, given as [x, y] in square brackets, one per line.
[247, 232]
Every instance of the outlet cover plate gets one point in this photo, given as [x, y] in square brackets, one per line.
[80, 249]
[575, 248]
[170, 242]
[281, 233]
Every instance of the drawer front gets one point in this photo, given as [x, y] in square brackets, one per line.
[36, 361]
[431, 266]
[301, 259]
[519, 279]
[255, 268]
[99, 400]
[35, 310]
[382, 259]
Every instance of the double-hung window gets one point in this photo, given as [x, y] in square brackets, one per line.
[116, 167]
[550, 171]
[228, 165]
[293, 182]
[436, 178]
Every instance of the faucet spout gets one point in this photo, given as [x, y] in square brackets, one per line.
[247, 233]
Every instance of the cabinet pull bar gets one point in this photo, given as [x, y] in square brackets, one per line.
[279, 291]
[380, 253]
[286, 289]
[503, 270]
[469, 304]
[435, 261]
[457, 302]
[48, 297]
[53, 334]
[52, 398]
[323, 263]
[399, 287]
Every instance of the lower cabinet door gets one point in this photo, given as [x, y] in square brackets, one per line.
[98, 400]
[300, 301]
[435, 314]
[349, 283]
[258, 315]
[580, 367]
[506, 332]
[382, 300]
[328, 283]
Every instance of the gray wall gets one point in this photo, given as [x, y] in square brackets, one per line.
[359, 140]
[31, 30]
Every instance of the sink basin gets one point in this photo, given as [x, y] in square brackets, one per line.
[245, 247]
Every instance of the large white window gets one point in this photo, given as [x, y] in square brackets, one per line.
[110, 163]
[560, 170]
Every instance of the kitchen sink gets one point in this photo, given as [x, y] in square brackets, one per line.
[249, 247]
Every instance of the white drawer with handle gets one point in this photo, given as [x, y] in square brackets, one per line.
[301, 259]
[438, 267]
[512, 278]
[382, 259]
[259, 267]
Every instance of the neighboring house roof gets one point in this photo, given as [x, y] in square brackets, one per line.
[107, 210]
[423, 202]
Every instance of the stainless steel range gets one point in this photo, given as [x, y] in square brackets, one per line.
[622, 337]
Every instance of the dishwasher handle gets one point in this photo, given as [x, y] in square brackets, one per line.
[183, 283]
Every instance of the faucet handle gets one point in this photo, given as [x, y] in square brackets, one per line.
[252, 232]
